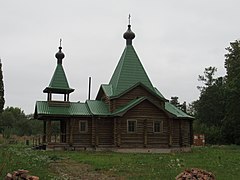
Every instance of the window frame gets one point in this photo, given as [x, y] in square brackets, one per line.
[160, 126]
[135, 125]
[86, 126]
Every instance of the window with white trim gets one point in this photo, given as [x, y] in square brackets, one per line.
[131, 126]
[83, 126]
[158, 126]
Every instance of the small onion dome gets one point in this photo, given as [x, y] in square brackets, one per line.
[59, 55]
[129, 35]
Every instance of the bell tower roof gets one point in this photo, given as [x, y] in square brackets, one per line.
[59, 83]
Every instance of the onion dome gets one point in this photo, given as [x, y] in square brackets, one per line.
[129, 35]
[59, 55]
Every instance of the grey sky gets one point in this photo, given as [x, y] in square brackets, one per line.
[175, 41]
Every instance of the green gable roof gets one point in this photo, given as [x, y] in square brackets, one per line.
[129, 72]
[59, 83]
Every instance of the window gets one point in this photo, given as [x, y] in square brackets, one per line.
[157, 126]
[83, 126]
[131, 126]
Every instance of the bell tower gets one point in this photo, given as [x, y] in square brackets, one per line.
[59, 83]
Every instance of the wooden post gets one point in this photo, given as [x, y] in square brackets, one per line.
[39, 139]
[180, 133]
[191, 132]
[93, 132]
[115, 132]
[72, 122]
[170, 122]
[49, 131]
[44, 131]
[96, 136]
[36, 141]
[119, 133]
[145, 132]
[55, 138]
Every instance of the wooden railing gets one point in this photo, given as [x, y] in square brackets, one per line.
[43, 139]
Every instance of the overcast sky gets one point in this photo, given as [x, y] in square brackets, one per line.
[175, 41]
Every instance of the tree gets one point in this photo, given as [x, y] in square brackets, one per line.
[232, 118]
[211, 104]
[210, 107]
[16, 122]
[207, 78]
[174, 101]
[2, 101]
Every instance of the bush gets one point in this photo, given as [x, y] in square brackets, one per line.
[213, 134]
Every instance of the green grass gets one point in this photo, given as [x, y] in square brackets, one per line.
[14, 157]
[223, 161]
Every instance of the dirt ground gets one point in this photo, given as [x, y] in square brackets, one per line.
[70, 170]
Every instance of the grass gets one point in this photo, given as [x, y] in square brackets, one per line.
[223, 161]
[14, 157]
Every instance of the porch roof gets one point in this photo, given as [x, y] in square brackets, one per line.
[88, 108]
[69, 109]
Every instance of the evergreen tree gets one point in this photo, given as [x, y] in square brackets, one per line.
[2, 101]
[210, 108]
[232, 117]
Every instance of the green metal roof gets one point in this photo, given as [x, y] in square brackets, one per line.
[94, 107]
[123, 109]
[175, 111]
[59, 83]
[158, 93]
[129, 72]
[98, 107]
[73, 108]
[107, 89]
[91, 107]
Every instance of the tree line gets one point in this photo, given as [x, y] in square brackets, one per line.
[217, 111]
[13, 121]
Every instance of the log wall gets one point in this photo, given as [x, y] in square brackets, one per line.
[105, 128]
[81, 138]
[138, 91]
[145, 114]
[181, 133]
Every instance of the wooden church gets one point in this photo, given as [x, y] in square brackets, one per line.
[128, 113]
